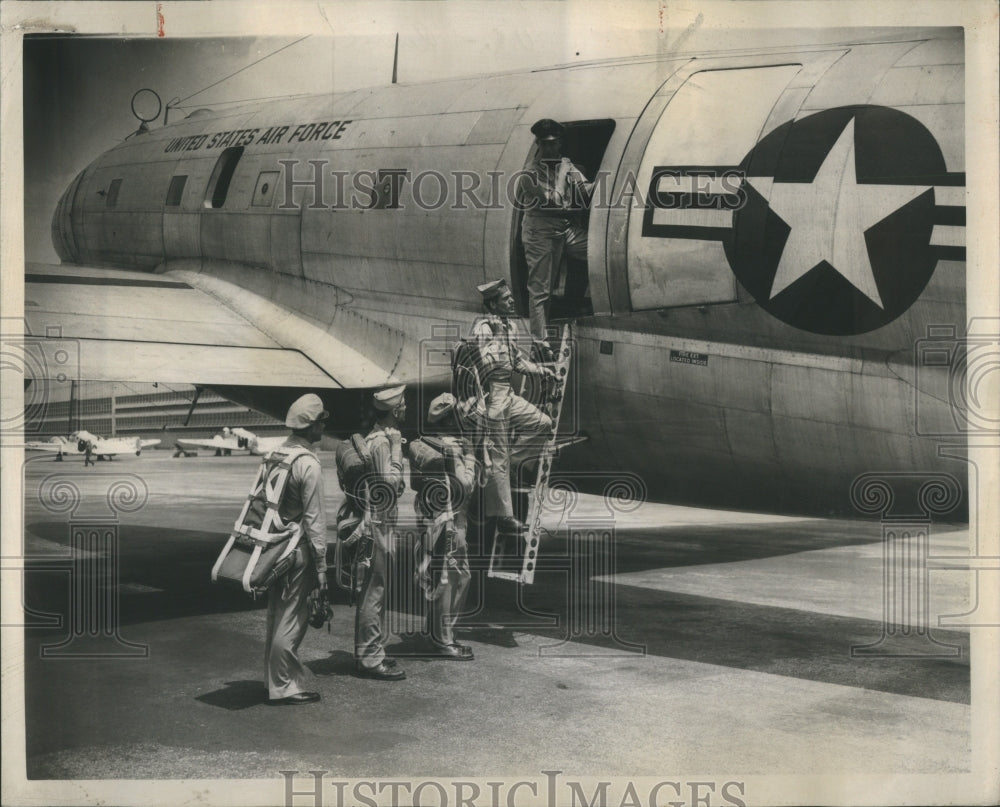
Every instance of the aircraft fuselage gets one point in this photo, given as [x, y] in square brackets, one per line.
[772, 235]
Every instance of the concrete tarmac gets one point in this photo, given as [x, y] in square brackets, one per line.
[717, 641]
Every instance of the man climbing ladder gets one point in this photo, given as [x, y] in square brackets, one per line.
[508, 549]
[498, 356]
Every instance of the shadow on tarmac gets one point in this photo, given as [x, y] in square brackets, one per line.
[236, 696]
[338, 663]
[171, 568]
[176, 563]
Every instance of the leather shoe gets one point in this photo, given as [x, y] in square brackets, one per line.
[456, 652]
[382, 672]
[510, 526]
[292, 700]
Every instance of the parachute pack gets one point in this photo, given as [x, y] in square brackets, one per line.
[261, 545]
[426, 457]
[354, 466]
[353, 550]
[467, 369]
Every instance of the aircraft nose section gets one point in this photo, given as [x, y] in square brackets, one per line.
[63, 238]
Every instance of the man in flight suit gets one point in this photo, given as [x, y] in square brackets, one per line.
[446, 539]
[288, 598]
[386, 445]
[551, 192]
[506, 411]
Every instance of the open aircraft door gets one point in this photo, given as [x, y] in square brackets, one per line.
[589, 144]
[683, 161]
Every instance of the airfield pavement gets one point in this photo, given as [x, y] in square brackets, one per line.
[721, 641]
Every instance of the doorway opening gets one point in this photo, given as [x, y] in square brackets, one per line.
[222, 175]
[584, 143]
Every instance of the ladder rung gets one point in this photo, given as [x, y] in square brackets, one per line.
[505, 575]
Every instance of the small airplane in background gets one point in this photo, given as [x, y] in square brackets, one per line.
[229, 440]
[83, 442]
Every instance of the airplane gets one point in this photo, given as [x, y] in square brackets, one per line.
[230, 440]
[781, 230]
[100, 447]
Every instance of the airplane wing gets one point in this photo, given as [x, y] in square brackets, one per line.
[54, 446]
[184, 327]
[149, 443]
[109, 446]
[215, 442]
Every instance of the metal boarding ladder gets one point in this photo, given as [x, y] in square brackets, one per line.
[528, 551]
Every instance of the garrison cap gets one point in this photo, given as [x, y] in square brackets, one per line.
[305, 411]
[492, 289]
[440, 407]
[388, 399]
[547, 129]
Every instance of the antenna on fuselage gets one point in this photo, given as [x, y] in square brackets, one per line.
[144, 112]
[395, 59]
[176, 103]
[166, 111]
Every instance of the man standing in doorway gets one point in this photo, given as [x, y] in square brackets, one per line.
[552, 193]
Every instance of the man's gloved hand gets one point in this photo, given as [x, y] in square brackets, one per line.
[395, 438]
[320, 612]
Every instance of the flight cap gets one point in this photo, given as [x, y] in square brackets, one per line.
[305, 411]
[388, 399]
[440, 407]
[547, 129]
[492, 289]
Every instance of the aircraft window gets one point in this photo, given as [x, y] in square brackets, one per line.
[222, 175]
[176, 190]
[584, 143]
[112, 198]
[264, 192]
